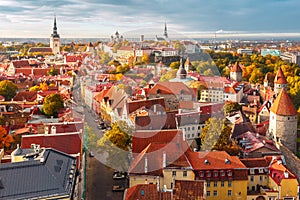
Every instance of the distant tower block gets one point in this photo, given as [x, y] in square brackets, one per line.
[283, 121]
[142, 38]
[236, 72]
[279, 81]
[55, 40]
[165, 31]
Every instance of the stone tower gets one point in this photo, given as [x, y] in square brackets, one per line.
[236, 72]
[55, 40]
[283, 121]
[279, 81]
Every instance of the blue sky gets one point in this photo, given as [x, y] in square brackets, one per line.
[101, 18]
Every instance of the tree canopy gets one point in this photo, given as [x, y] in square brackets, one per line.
[5, 139]
[116, 142]
[52, 103]
[216, 136]
[8, 89]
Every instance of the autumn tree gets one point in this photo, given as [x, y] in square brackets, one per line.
[175, 65]
[52, 103]
[216, 136]
[8, 89]
[116, 143]
[256, 76]
[145, 58]
[5, 139]
[230, 107]
[169, 75]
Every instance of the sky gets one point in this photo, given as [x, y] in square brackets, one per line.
[101, 18]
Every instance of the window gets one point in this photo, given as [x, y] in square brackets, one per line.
[251, 178]
[208, 174]
[208, 184]
[215, 174]
[208, 193]
[222, 173]
[251, 171]
[229, 193]
[222, 183]
[201, 174]
[193, 128]
[261, 178]
[261, 170]
[215, 183]
[229, 173]
[215, 193]
[184, 173]
[173, 173]
[229, 183]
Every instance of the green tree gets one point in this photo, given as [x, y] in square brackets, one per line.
[216, 136]
[116, 143]
[230, 107]
[52, 71]
[52, 103]
[8, 89]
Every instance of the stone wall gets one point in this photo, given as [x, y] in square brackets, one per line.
[293, 162]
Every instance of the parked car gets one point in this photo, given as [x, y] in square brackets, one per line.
[119, 175]
[91, 154]
[118, 188]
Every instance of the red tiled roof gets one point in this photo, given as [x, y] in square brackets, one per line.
[20, 63]
[141, 139]
[283, 105]
[257, 162]
[69, 143]
[146, 192]
[156, 122]
[27, 95]
[176, 88]
[216, 160]
[73, 58]
[278, 172]
[148, 104]
[280, 78]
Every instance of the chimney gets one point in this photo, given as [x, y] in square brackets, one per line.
[179, 111]
[53, 130]
[154, 108]
[164, 159]
[257, 135]
[146, 165]
[183, 134]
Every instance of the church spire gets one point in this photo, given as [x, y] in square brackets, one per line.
[166, 31]
[55, 34]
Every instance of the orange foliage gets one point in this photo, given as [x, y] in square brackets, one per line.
[5, 139]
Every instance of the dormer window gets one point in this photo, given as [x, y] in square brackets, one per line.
[201, 174]
[222, 173]
[227, 161]
[206, 162]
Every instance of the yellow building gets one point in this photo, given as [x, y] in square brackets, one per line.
[283, 180]
[226, 176]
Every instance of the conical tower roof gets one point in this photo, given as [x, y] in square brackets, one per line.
[283, 105]
[236, 68]
[280, 78]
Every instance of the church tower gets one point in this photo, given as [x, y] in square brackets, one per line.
[166, 31]
[236, 72]
[55, 40]
[181, 72]
[280, 81]
[283, 121]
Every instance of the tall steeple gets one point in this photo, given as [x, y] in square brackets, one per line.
[55, 34]
[166, 31]
[55, 39]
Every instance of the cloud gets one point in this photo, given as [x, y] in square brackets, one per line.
[105, 16]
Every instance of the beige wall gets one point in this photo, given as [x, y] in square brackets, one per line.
[168, 178]
[238, 190]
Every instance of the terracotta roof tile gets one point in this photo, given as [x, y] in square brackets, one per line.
[188, 190]
[146, 192]
[283, 105]
[236, 68]
[280, 78]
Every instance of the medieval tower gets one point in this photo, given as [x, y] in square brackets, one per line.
[283, 121]
[279, 82]
[236, 72]
[55, 40]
